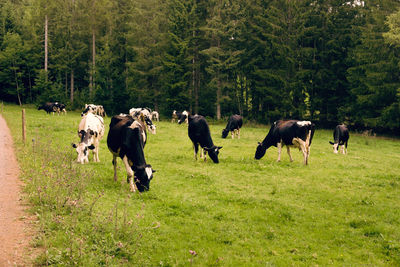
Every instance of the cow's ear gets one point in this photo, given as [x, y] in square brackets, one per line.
[331, 143]
[219, 147]
[91, 147]
[259, 143]
[74, 145]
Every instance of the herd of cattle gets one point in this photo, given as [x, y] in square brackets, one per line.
[127, 137]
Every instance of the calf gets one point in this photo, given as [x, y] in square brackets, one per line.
[340, 137]
[199, 133]
[49, 107]
[290, 133]
[126, 139]
[90, 131]
[145, 113]
[235, 122]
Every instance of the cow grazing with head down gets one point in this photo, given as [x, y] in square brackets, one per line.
[60, 107]
[145, 113]
[290, 133]
[199, 133]
[235, 122]
[90, 131]
[340, 137]
[49, 107]
[126, 139]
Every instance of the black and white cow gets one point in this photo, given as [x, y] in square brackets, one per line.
[199, 133]
[235, 122]
[95, 109]
[49, 107]
[290, 133]
[183, 117]
[155, 116]
[340, 137]
[60, 107]
[126, 139]
[90, 131]
[145, 112]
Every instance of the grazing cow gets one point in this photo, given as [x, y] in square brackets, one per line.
[90, 131]
[155, 116]
[235, 122]
[184, 117]
[340, 137]
[60, 108]
[49, 107]
[290, 133]
[137, 112]
[199, 133]
[126, 139]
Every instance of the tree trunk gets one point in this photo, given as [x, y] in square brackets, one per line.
[219, 92]
[92, 72]
[45, 44]
[16, 84]
[72, 87]
[66, 84]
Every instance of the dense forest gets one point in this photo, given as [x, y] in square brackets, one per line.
[328, 61]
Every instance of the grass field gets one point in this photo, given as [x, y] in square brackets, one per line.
[339, 210]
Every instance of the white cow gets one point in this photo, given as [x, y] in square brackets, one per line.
[90, 131]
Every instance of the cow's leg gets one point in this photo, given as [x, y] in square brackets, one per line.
[238, 133]
[303, 147]
[129, 173]
[345, 147]
[279, 146]
[233, 134]
[205, 155]
[288, 151]
[114, 162]
[196, 149]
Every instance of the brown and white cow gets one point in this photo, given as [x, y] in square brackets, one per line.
[126, 139]
[90, 131]
[290, 133]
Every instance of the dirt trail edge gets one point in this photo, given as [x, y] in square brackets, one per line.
[15, 228]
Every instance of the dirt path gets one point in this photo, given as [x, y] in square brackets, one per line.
[15, 230]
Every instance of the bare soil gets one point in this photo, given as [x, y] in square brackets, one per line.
[15, 224]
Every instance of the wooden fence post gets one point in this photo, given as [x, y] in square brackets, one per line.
[23, 126]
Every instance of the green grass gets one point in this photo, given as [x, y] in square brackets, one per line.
[338, 210]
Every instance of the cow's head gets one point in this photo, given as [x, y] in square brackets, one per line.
[335, 147]
[150, 126]
[213, 152]
[260, 151]
[82, 149]
[143, 176]
[225, 133]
